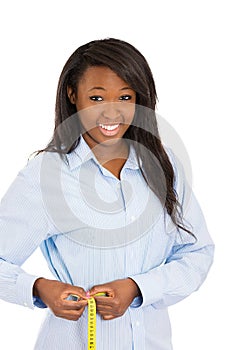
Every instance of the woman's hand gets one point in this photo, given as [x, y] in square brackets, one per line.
[54, 294]
[119, 295]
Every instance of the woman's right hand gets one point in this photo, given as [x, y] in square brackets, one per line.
[54, 294]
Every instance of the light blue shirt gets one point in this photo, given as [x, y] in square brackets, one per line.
[94, 228]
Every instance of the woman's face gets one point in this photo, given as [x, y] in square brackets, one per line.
[106, 105]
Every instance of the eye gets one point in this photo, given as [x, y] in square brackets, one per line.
[96, 98]
[125, 98]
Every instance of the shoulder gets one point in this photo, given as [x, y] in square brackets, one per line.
[39, 164]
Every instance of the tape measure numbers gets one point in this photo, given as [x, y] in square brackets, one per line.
[91, 324]
[91, 334]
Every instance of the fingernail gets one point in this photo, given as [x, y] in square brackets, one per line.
[88, 294]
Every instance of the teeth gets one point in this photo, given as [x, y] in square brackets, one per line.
[109, 127]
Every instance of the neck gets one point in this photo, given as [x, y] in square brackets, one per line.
[109, 150]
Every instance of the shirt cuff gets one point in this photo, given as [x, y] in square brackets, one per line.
[136, 302]
[39, 303]
[24, 286]
[150, 291]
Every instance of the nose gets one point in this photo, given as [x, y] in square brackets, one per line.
[111, 111]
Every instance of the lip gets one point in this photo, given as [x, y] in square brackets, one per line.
[109, 129]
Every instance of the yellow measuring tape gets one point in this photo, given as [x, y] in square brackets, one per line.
[91, 334]
[91, 324]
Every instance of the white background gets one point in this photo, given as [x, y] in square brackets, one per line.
[188, 45]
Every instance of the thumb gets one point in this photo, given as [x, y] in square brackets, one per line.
[78, 291]
[99, 289]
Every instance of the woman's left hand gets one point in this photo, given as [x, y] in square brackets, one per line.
[119, 295]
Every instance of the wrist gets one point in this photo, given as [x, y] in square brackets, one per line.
[135, 289]
[37, 287]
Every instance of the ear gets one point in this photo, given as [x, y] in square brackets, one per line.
[71, 95]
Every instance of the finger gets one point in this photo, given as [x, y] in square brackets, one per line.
[77, 291]
[109, 312]
[105, 301]
[102, 288]
[72, 315]
[63, 303]
[74, 305]
[104, 309]
[108, 317]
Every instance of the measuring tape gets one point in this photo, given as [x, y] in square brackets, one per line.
[91, 334]
[91, 324]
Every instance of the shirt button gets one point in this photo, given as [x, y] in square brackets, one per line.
[137, 323]
[25, 304]
[132, 218]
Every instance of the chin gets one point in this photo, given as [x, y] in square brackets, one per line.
[110, 141]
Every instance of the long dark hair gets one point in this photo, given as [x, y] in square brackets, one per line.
[131, 66]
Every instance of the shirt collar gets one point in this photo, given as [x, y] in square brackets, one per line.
[82, 153]
[132, 161]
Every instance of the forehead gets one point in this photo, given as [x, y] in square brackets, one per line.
[101, 76]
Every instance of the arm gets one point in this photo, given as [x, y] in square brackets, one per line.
[23, 226]
[189, 261]
[184, 270]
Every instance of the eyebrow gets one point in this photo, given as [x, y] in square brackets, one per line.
[101, 88]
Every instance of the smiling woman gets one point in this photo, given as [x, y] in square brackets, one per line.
[110, 209]
[106, 107]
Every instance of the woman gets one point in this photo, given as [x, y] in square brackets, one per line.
[110, 208]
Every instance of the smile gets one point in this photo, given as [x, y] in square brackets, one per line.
[109, 127]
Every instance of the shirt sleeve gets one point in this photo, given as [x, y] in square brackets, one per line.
[23, 226]
[188, 262]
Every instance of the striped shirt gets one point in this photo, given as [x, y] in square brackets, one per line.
[94, 228]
